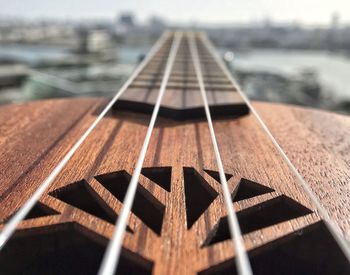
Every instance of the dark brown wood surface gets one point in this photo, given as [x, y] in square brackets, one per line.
[182, 99]
[35, 136]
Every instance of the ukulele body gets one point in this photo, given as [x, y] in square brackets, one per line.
[178, 222]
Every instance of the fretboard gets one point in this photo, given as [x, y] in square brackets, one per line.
[182, 99]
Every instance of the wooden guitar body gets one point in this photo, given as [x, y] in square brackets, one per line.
[178, 222]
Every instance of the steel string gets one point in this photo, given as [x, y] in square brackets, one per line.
[13, 222]
[333, 228]
[242, 260]
[112, 254]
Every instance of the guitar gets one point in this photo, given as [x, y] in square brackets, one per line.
[178, 173]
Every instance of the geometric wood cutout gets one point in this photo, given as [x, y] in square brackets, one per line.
[159, 175]
[311, 250]
[198, 197]
[247, 189]
[198, 193]
[259, 216]
[145, 206]
[66, 248]
[83, 197]
[216, 176]
[39, 210]
[270, 212]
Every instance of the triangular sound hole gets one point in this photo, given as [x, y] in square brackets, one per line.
[66, 248]
[259, 216]
[311, 250]
[38, 211]
[159, 175]
[198, 193]
[82, 196]
[216, 176]
[145, 206]
[248, 189]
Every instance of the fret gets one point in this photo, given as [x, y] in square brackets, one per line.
[182, 82]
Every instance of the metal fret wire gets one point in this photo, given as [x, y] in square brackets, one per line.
[242, 261]
[333, 228]
[11, 225]
[112, 254]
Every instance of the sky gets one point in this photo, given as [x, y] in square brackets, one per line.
[185, 11]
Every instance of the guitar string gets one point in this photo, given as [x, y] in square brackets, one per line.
[13, 222]
[333, 228]
[242, 261]
[112, 254]
[24, 210]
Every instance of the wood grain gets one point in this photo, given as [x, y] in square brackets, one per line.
[318, 151]
[178, 223]
[182, 88]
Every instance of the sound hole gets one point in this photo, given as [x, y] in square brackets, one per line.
[311, 250]
[38, 211]
[159, 175]
[216, 175]
[248, 189]
[63, 249]
[259, 216]
[82, 196]
[198, 193]
[145, 206]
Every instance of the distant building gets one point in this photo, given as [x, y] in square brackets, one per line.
[156, 26]
[126, 19]
[156, 22]
[335, 20]
[91, 40]
[333, 33]
[125, 22]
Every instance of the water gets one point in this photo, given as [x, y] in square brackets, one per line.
[31, 53]
[333, 70]
[132, 54]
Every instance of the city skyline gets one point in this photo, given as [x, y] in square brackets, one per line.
[210, 12]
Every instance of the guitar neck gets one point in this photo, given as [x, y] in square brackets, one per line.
[182, 100]
[180, 163]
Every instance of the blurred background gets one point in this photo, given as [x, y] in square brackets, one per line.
[279, 51]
